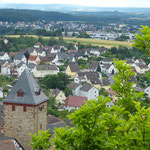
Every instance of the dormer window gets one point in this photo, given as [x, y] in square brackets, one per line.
[37, 90]
[20, 93]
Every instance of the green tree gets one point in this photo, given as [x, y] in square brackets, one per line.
[123, 126]
[68, 92]
[41, 141]
[142, 40]
[59, 81]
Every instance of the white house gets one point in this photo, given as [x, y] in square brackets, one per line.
[107, 68]
[147, 91]
[38, 45]
[84, 90]
[75, 88]
[5, 70]
[1, 92]
[43, 70]
[19, 58]
[4, 56]
[88, 91]
[21, 67]
[38, 52]
[140, 68]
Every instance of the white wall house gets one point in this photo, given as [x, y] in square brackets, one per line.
[107, 68]
[141, 69]
[4, 56]
[21, 67]
[40, 71]
[147, 91]
[84, 90]
[5, 70]
[19, 58]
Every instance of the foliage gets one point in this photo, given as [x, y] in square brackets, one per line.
[4, 80]
[59, 81]
[142, 40]
[123, 126]
[41, 141]
[103, 92]
[83, 63]
[67, 91]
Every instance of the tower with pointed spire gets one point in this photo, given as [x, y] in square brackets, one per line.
[25, 109]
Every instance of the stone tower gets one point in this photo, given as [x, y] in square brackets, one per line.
[25, 110]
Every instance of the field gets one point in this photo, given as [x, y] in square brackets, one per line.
[95, 42]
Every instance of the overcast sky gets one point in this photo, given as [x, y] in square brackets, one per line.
[101, 3]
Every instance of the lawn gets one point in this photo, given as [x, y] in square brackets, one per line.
[95, 42]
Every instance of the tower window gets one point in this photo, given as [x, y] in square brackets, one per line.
[40, 127]
[24, 108]
[20, 93]
[13, 108]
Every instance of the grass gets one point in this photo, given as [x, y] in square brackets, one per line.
[95, 42]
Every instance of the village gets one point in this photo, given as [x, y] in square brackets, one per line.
[85, 83]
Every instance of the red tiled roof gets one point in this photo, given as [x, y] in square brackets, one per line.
[75, 101]
[12, 54]
[32, 58]
[109, 91]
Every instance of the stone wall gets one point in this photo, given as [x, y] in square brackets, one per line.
[19, 124]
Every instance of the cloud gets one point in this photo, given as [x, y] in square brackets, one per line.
[101, 3]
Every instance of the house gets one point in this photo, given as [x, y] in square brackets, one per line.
[89, 91]
[75, 88]
[53, 122]
[59, 95]
[147, 91]
[74, 102]
[5, 69]
[105, 83]
[109, 104]
[106, 61]
[48, 59]
[89, 77]
[84, 90]
[31, 66]
[107, 68]
[21, 67]
[43, 70]
[112, 94]
[56, 49]
[9, 143]
[37, 52]
[129, 61]
[140, 68]
[12, 54]
[94, 66]
[18, 58]
[63, 56]
[1, 92]
[72, 69]
[140, 61]
[97, 51]
[34, 59]
[4, 56]
[5, 41]
[38, 45]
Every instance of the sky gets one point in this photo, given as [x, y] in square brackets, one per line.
[98, 3]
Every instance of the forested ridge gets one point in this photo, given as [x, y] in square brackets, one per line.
[26, 15]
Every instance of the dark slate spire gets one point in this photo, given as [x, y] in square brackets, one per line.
[32, 95]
